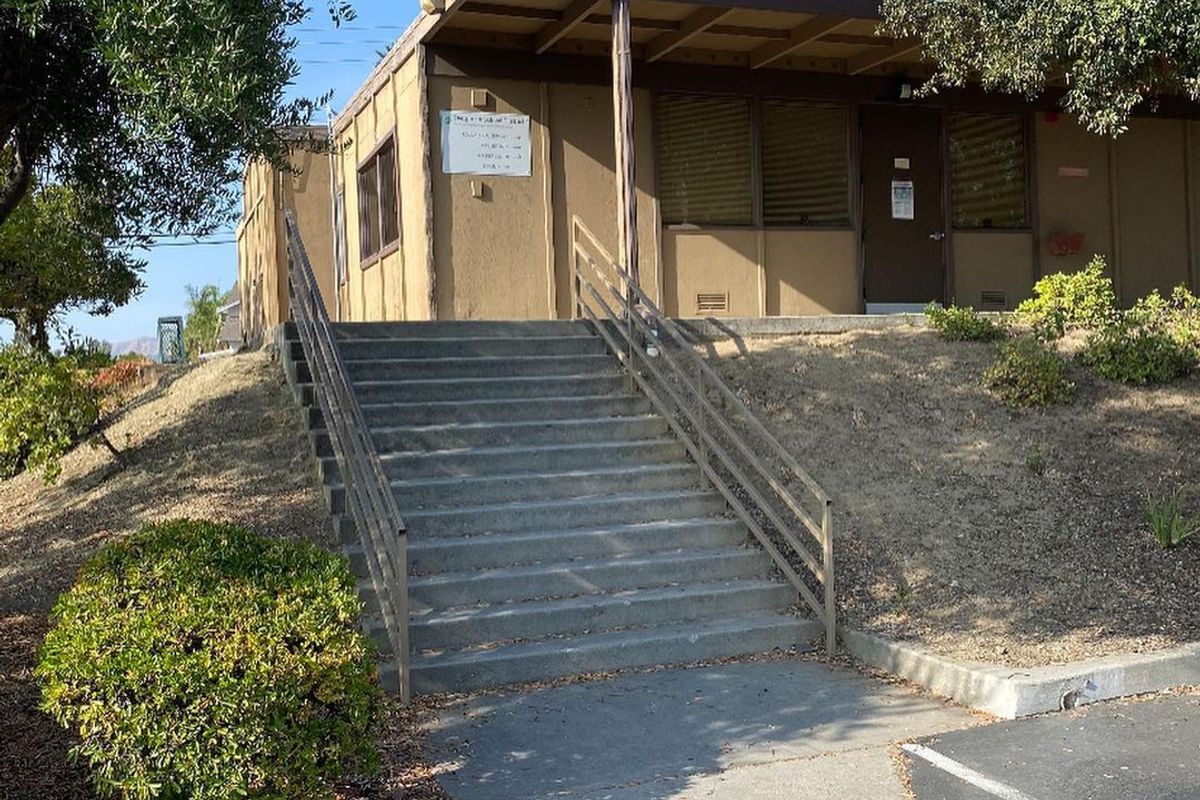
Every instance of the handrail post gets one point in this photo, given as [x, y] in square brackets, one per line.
[827, 565]
[630, 310]
[702, 428]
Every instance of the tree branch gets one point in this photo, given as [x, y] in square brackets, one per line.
[20, 175]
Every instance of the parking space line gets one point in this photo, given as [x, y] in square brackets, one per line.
[965, 773]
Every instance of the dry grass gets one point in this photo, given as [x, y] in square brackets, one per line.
[981, 533]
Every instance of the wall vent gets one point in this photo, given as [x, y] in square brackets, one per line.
[991, 300]
[712, 302]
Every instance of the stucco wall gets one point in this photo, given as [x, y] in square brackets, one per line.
[492, 251]
[1152, 210]
[395, 285]
[992, 261]
[764, 272]
[262, 237]
[1073, 190]
[811, 272]
[581, 155]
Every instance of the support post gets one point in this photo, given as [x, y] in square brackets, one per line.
[627, 244]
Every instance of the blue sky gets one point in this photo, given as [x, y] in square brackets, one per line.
[330, 59]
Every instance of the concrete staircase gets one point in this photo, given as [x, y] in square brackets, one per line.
[555, 526]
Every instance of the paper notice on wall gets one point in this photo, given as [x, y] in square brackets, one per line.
[484, 143]
[904, 204]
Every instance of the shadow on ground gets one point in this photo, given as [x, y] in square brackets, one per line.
[675, 733]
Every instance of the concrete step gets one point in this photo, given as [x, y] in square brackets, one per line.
[571, 578]
[457, 554]
[404, 369]
[442, 492]
[537, 619]
[563, 514]
[432, 493]
[537, 458]
[437, 438]
[682, 643]
[460, 347]
[431, 390]
[460, 328]
[511, 410]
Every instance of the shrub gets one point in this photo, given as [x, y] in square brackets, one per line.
[87, 353]
[959, 324]
[45, 408]
[1169, 524]
[1132, 352]
[1070, 299]
[202, 661]
[1029, 373]
[119, 378]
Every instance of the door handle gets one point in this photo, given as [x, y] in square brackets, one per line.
[937, 236]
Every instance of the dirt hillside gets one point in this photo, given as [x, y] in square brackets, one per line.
[986, 534]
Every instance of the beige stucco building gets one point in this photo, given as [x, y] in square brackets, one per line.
[783, 167]
[261, 237]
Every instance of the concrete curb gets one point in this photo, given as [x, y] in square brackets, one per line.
[1012, 692]
[714, 329]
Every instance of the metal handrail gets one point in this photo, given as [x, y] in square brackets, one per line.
[368, 494]
[715, 434]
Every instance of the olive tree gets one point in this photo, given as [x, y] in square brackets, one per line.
[149, 107]
[61, 251]
[1113, 54]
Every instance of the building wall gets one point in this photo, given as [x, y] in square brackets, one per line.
[500, 247]
[262, 238]
[395, 286]
[1152, 208]
[992, 261]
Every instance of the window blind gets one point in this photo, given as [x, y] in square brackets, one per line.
[988, 171]
[389, 201]
[704, 172]
[368, 209]
[805, 165]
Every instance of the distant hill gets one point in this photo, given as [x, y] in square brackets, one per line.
[143, 345]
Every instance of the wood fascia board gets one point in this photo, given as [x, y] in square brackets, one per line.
[572, 15]
[862, 9]
[691, 26]
[417, 33]
[874, 57]
[801, 35]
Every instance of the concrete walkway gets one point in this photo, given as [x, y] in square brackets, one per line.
[750, 731]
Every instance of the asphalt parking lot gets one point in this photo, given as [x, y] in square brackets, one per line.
[1146, 749]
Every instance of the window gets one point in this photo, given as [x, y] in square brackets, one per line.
[805, 165]
[704, 172]
[988, 171]
[378, 201]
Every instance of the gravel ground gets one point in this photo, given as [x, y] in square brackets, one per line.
[985, 534]
[222, 441]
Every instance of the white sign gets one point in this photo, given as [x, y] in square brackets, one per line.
[483, 143]
[904, 204]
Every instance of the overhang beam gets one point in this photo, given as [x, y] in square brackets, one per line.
[801, 35]
[692, 26]
[571, 16]
[875, 57]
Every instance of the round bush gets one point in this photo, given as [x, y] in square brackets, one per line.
[1029, 373]
[1138, 354]
[204, 661]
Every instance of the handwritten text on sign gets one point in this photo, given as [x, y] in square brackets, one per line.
[482, 143]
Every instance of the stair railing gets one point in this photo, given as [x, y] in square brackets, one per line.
[736, 453]
[368, 495]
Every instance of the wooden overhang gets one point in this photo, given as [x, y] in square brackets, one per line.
[825, 36]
